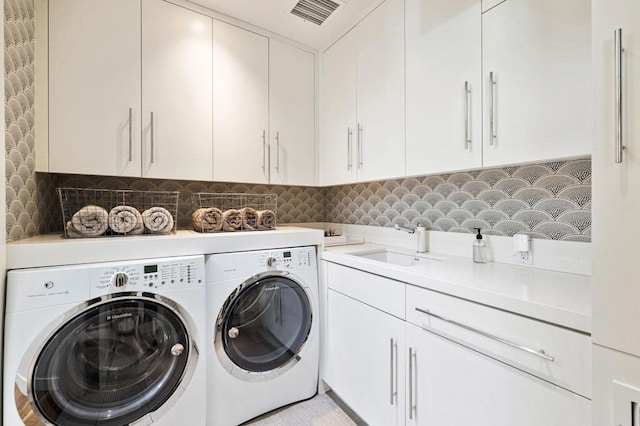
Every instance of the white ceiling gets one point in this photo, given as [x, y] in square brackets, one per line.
[275, 16]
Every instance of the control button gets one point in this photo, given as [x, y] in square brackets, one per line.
[48, 284]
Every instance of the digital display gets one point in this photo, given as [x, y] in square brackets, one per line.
[286, 254]
[150, 269]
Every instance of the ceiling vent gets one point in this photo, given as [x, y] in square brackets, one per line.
[316, 11]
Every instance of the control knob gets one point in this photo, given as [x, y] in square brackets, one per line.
[120, 279]
[271, 261]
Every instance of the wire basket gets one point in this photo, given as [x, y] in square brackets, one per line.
[219, 212]
[109, 213]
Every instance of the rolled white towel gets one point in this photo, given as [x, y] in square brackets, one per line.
[207, 219]
[231, 220]
[249, 218]
[126, 220]
[266, 219]
[158, 220]
[90, 221]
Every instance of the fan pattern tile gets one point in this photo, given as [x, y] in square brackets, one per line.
[550, 200]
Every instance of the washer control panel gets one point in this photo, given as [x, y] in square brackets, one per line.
[152, 275]
[289, 259]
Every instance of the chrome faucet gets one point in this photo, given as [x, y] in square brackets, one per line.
[421, 235]
[404, 228]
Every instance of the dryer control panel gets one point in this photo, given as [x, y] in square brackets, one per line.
[288, 259]
[153, 275]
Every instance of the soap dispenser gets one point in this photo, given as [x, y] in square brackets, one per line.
[479, 248]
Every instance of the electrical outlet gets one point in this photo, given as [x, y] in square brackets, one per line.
[524, 258]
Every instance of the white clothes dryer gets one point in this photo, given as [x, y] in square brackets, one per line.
[106, 344]
[263, 330]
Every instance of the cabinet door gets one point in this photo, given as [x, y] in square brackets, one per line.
[176, 92]
[443, 86]
[380, 93]
[539, 54]
[240, 104]
[365, 359]
[616, 199]
[292, 114]
[94, 87]
[453, 385]
[338, 112]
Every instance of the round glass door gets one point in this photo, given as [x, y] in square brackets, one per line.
[265, 323]
[111, 364]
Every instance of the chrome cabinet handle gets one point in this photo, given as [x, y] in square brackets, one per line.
[264, 151]
[278, 152]
[412, 381]
[359, 146]
[152, 138]
[540, 353]
[349, 151]
[467, 113]
[393, 370]
[130, 134]
[492, 115]
[619, 146]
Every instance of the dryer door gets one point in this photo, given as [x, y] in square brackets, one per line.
[264, 325]
[113, 362]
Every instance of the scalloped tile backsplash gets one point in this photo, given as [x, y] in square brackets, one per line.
[549, 200]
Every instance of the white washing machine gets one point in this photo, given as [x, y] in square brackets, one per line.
[263, 328]
[106, 344]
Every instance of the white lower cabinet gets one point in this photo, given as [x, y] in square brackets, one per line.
[452, 362]
[366, 362]
[450, 384]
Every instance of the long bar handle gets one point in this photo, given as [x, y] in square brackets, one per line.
[130, 134]
[393, 370]
[264, 150]
[349, 151]
[359, 146]
[492, 115]
[540, 353]
[619, 146]
[278, 152]
[467, 115]
[152, 138]
[412, 380]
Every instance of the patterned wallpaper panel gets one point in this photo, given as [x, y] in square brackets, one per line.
[550, 200]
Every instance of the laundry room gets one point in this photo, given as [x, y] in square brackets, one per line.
[320, 212]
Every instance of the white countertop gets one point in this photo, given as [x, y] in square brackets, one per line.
[54, 249]
[555, 297]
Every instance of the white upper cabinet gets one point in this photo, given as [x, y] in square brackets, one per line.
[94, 87]
[444, 94]
[338, 112]
[240, 105]
[616, 199]
[362, 109]
[292, 114]
[177, 94]
[100, 105]
[380, 93]
[537, 80]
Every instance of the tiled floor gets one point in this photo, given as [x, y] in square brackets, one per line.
[321, 410]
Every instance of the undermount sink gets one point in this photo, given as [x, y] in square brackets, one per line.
[395, 257]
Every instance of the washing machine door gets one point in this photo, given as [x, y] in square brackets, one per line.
[263, 326]
[117, 360]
